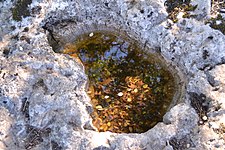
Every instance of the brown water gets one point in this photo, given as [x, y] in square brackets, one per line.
[130, 90]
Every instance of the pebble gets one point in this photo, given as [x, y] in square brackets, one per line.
[91, 34]
[200, 122]
[188, 145]
[106, 97]
[204, 118]
[20, 48]
[120, 94]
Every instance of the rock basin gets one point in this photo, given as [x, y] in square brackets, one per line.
[130, 88]
[43, 102]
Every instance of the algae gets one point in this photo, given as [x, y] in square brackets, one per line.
[218, 26]
[21, 9]
[173, 7]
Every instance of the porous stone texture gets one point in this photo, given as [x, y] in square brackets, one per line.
[43, 104]
[203, 8]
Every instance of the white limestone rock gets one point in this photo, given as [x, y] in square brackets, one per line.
[203, 8]
[43, 93]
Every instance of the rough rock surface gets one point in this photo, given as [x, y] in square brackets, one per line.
[43, 104]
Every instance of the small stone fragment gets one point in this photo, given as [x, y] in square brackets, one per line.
[205, 118]
[120, 94]
[145, 86]
[106, 97]
[91, 34]
[20, 48]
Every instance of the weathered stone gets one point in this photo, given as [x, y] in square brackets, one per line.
[203, 8]
[43, 104]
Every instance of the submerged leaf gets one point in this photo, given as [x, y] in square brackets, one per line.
[130, 129]
[145, 86]
[123, 82]
[99, 107]
[106, 81]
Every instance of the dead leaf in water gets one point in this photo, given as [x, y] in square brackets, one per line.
[98, 93]
[132, 86]
[104, 127]
[99, 107]
[97, 122]
[108, 124]
[129, 99]
[106, 81]
[145, 86]
[91, 91]
[130, 129]
[140, 83]
[135, 90]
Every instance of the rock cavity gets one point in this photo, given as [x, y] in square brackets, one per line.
[130, 89]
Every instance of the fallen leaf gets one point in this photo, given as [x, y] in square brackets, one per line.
[104, 127]
[140, 83]
[106, 82]
[130, 129]
[129, 89]
[108, 124]
[145, 86]
[97, 122]
[132, 86]
[99, 107]
[91, 91]
[129, 99]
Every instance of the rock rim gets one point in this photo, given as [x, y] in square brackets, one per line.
[43, 104]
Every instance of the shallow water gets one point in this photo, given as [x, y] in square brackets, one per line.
[130, 89]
